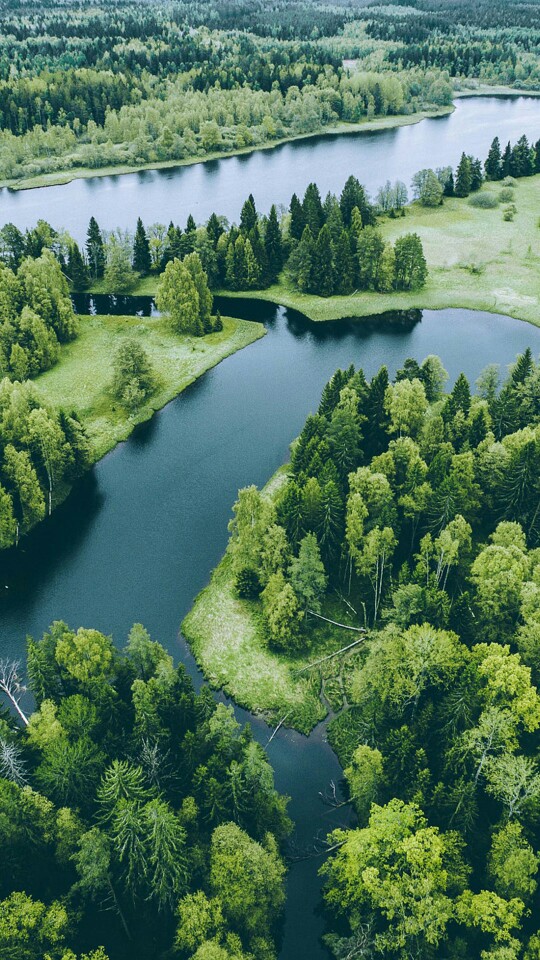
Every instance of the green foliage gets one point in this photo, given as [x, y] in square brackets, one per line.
[133, 379]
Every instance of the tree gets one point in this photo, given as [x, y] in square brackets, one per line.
[77, 269]
[48, 440]
[119, 275]
[29, 503]
[462, 186]
[365, 776]
[492, 165]
[395, 874]
[300, 263]
[133, 378]
[250, 899]
[30, 930]
[369, 250]
[282, 611]
[200, 279]
[410, 264]
[427, 188]
[323, 264]
[308, 576]
[178, 297]
[406, 405]
[273, 245]
[142, 260]
[95, 250]
[512, 863]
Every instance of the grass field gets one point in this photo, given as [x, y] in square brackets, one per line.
[229, 642]
[81, 380]
[475, 258]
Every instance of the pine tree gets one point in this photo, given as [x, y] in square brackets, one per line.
[214, 229]
[95, 251]
[521, 159]
[449, 189]
[536, 149]
[476, 174]
[273, 245]
[492, 165]
[76, 268]
[301, 261]
[344, 264]
[463, 177]
[142, 260]
[253, 270]
[323, 264]
[259, 253]
[297, 219]
[354, 195]
[313, 209]
[248, 216]
[506, 161]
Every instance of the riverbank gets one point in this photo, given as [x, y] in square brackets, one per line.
[60, 177]
[81, 379]
[228, 639]
[476, 261]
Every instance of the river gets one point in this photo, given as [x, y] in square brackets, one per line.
[273, 175]
[138, 537]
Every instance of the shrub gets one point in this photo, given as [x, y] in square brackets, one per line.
[508, 213]
[508, 182]
[247, 583]
[506, 194]
[488, 201]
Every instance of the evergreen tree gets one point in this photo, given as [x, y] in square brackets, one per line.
[300, 263]
[142, 261]
[344, 265]
[521, 159]
[536, 150]
[253, 270]
[493, 162]
[506, 161]
[476, 174]
[463, 177]
[313, 209]
[214, 229]
[273, 246]
[298, 221]
[76, 268]
[248, 216]
[259, 252]
[95, 251]
[323, 264]
[449, 189]
[354, 195]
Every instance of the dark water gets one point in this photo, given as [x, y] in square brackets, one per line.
[137, 539]
[273, 175]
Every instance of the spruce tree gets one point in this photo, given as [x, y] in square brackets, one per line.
[477, 178]
[313, 209]
[142, 260]
[536, 150]
[214, 229]
[273, 246]
[492, 165]
[323, 264]
[253, 270]
[95, 251]
[521, 159]
[301, 261]
[344, 265]
[354, 195]
[449, 188]
[259, 252]
[463, 177]
[297, 222]
[506, 161]
[248, 216]
[76, 268]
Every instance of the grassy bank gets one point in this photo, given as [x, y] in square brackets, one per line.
[476, 260]
[81, 380]
[228, 639]
[59, 177]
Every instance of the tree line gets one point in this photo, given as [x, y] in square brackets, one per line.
[131, 807]
[420, 507]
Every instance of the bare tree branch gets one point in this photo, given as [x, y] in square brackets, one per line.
[10, 684]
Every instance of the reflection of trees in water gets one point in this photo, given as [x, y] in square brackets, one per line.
[393, 321]
[117, 306]
[49, 546]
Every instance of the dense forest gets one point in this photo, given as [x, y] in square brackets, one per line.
[128, 84]
[421, 509]
[130, 809]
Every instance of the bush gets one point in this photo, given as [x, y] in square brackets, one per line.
[488, 201]
[506, 194]
[134, 379]
[508, 182]
[508, 213]
[247, 583]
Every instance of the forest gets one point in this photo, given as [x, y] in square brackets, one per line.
[420, 509]
[129, 807]
[128, 85]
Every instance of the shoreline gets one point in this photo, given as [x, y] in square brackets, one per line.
[63, 177]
